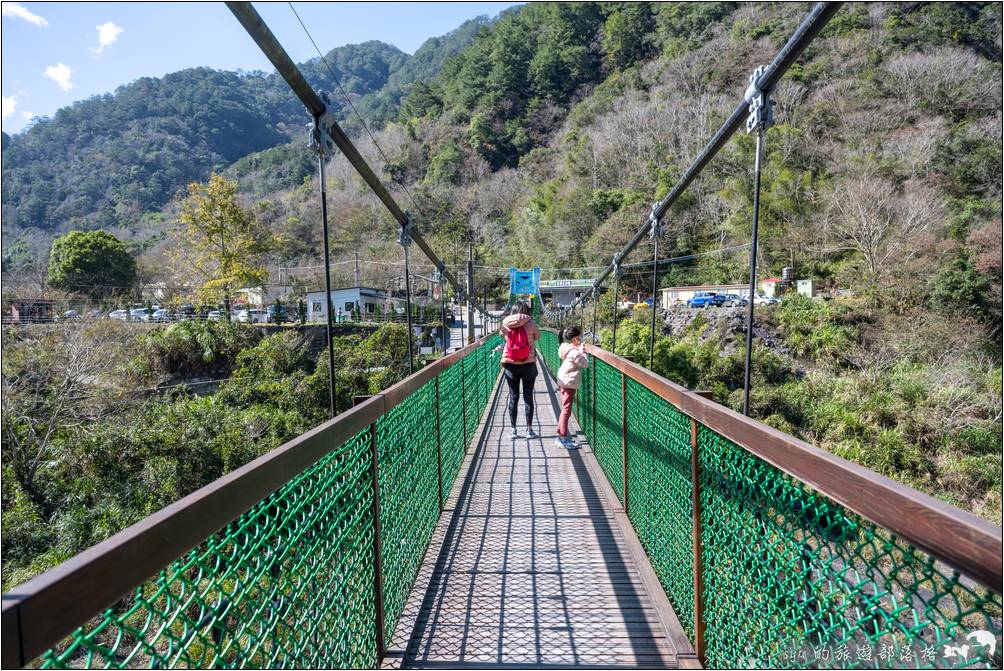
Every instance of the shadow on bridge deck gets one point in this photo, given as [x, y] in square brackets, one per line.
[532, 566]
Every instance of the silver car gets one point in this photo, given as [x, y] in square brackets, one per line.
[766, 300]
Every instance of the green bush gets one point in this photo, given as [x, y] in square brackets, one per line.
[959, 289]
[196, 347]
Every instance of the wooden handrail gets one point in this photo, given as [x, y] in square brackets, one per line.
[40, 612]
[960, 539]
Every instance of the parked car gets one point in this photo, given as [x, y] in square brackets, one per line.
[277, 316]
[214, 315]
[118, 314]
[70, 314]
[766, 300]
[705, 299]
[253, 316]
[162, 316]
[139, 314]
[730, 300]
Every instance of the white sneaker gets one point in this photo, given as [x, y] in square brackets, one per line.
[570, 443]
[530, 433]
[513, 433]
[558, 442]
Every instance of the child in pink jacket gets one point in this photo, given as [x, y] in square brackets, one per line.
[573, 360]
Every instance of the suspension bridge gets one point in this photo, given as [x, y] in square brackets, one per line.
[410, 531]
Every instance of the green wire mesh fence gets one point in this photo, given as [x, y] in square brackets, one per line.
[291, 582]
[791, 579]
[808, 583]
[660, 509]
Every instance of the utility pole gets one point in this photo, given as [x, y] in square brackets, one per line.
[358, 284]
[470, 292]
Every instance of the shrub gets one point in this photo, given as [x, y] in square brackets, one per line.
[958, 289]
[271, 373]
[192, 348]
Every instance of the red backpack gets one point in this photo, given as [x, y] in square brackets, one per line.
[517, 345]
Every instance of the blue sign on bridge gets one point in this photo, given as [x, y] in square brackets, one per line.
[524, 282]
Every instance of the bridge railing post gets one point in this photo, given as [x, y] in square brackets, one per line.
[439, 448]
[624, 436]
[698, 547]
[377, 557]
[463, 402]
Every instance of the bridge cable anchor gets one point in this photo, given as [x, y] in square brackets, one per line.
[404, 233]
[320, 130]
[616, 263]
[654, 223]
[760, 106]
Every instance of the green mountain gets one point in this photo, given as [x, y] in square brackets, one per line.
[103, 162]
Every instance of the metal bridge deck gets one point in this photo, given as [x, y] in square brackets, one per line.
[532, 566]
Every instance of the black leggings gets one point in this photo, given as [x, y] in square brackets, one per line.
[525, 373]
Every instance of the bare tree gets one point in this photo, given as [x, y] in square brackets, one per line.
[65, 378]
[946, 78]
[867, 214]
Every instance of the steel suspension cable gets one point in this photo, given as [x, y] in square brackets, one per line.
[262, 35]
[655, 274]
[351, 106]
[813, 23]
[328, 307]
[749, 308]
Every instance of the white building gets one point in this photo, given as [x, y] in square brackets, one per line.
[771, 286]
[345, 300]
[563, 292]
[260, 296]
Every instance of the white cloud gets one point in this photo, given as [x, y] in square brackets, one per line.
[9, 106]
[27, 116]
[14, 10]
[61, 74]
[108, 33]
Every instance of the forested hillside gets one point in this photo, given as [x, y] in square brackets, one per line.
[105, 161]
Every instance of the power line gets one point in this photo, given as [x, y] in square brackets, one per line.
[353, 107]
[643, 264]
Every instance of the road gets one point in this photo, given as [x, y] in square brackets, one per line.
[458, 332]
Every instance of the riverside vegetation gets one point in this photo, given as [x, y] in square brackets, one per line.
[543, 136]
[89, 450]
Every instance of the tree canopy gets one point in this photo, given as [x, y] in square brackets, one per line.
[220, 245]
[95, 263]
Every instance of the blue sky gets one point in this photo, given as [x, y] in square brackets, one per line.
[55, 53]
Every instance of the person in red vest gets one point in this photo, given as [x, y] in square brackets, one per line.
[519, 364]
